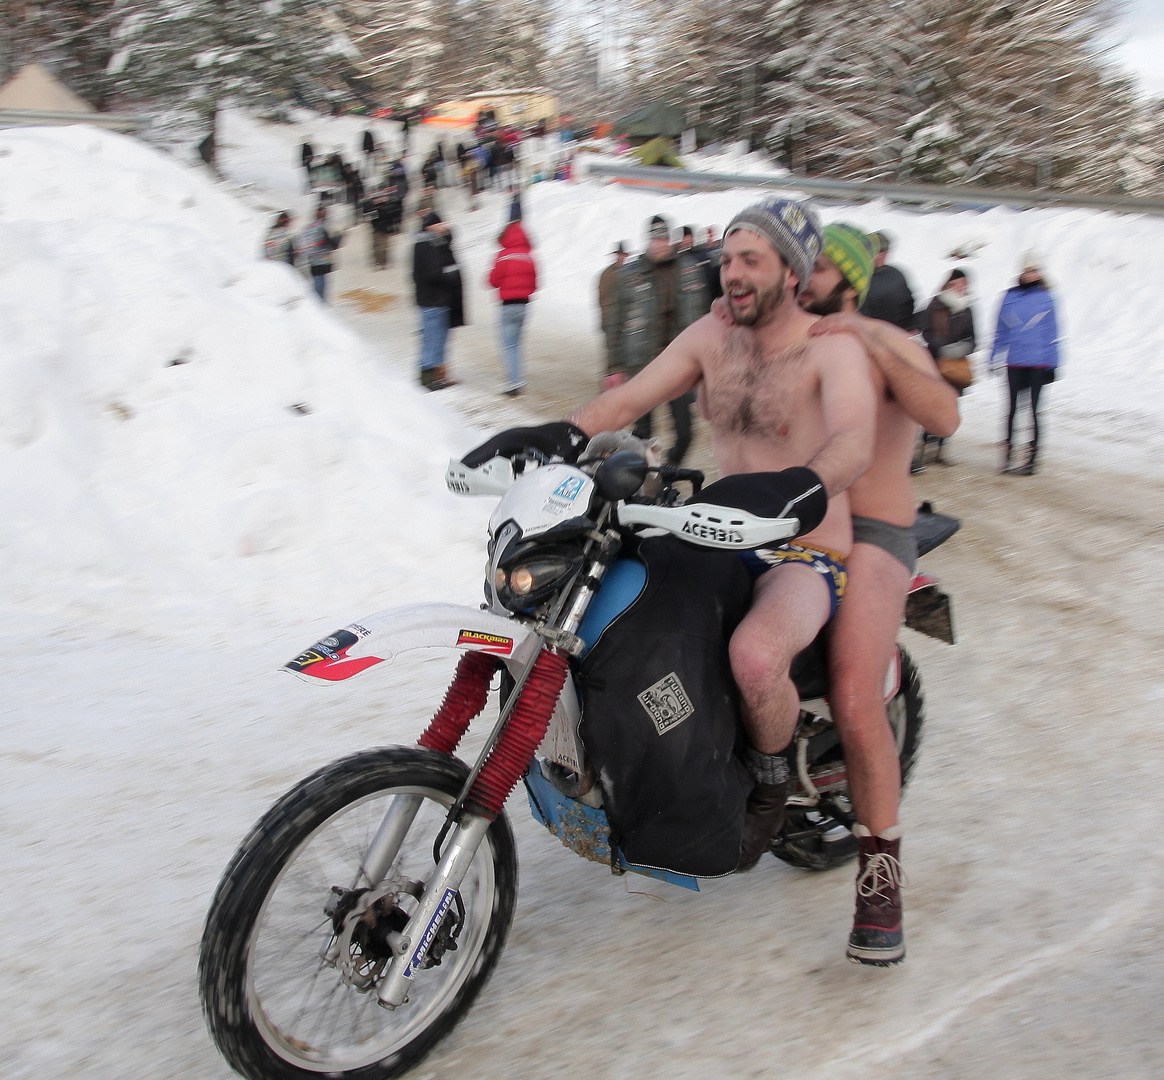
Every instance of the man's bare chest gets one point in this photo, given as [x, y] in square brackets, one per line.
[751, 393]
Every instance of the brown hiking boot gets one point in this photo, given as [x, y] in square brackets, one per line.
[877, 937]
[762, 821]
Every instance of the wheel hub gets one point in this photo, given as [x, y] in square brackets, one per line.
[365, 920]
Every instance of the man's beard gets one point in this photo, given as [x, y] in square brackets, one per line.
[765, 304]
[832, 303]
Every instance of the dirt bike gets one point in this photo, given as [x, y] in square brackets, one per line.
[366, 909]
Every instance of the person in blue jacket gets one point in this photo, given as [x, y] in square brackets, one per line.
[1026, 340]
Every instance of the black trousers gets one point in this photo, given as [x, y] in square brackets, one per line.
[681, 419]
[1031, 380]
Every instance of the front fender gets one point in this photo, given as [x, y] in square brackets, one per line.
[380, 638]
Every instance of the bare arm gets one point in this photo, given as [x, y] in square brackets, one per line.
[672, 373]
[909, 370]
[850, 408]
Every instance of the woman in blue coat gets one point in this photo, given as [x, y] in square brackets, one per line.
[1026, 340]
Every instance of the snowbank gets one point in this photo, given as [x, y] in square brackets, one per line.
[182, 425]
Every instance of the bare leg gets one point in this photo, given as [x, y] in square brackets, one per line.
[863, 636]
[790, 604]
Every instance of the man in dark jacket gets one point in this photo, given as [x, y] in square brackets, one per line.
[659, 295]
[889, 297]
[439, 297]
[607, 286]
[384, 216]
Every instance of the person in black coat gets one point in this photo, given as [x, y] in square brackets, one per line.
[439, 296]
[947, 325]
[889, 297]
[384, 215]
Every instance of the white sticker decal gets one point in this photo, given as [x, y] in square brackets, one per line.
[667, 703]
[430, 932]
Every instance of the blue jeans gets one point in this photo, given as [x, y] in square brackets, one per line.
[319, 284]
[434, 332]
[512, 320]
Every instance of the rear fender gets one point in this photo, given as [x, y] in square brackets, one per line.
[382, 637]
[928, 609]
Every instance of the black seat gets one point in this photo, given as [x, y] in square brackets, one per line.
[931, 529]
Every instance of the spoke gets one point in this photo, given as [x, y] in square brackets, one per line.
[295, 1020]
[324, 1012]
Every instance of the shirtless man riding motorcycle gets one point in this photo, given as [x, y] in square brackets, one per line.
[791, 424]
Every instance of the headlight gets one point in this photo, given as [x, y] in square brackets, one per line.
[528, 579]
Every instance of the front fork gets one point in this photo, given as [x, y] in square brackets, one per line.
[520, 729]
[489, 787]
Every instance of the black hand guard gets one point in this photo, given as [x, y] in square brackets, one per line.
[796, 492]
[559, 439]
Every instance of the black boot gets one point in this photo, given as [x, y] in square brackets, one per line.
[762, 821]
[1028, 469]
[1005, 459]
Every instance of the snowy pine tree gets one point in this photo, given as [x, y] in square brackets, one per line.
[400, 46]
[73, 38]
[204, 54]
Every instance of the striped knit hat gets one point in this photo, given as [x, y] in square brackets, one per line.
[851, 251]
[790, 227]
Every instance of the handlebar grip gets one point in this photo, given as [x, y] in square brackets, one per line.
[675, 472]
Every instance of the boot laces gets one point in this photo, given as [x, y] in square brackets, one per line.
[882, 872]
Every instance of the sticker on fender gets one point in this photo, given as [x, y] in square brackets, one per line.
[491, 643]
[430, 932]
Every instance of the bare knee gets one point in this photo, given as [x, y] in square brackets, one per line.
[757, 663]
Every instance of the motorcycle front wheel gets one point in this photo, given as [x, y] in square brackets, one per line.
[812, 840]
[296, 938]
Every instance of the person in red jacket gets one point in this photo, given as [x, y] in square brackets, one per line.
[515, 278]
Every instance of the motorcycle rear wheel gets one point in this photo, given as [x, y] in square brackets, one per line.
[276, 1007]
[812, 840]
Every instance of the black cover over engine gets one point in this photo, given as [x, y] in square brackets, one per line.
[660, 717]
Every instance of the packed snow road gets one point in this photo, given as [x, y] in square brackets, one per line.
[134, 766]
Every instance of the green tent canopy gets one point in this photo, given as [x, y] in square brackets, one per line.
[652, 120]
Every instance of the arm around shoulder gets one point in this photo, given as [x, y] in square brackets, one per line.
[850, 409]
[914, 381]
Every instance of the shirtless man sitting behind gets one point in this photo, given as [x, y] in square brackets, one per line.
[910, 392]
[796, 408]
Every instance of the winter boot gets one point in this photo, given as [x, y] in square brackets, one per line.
[764, 814]
[876, 938]
[428, 377]
[762, 821]
[1005, 459]
[1028, 468]
[443, 377]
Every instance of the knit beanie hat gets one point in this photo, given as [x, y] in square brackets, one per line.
[851, 251]
[790, 227]
[658, 229]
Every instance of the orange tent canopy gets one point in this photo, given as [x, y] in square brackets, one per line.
[454, 114]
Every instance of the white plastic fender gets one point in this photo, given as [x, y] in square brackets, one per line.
[380, 638]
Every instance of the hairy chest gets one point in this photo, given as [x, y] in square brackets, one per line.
[752, 393]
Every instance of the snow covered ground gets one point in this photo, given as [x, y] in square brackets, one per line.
[202, 470]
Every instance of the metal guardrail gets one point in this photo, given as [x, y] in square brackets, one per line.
[861, 190]
[47, 118]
